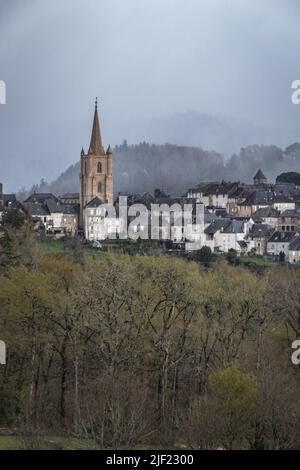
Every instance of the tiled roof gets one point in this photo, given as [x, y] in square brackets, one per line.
[216, 226]
[259, 230]
[265, 212]
[235, 226]
[96, 202]
[259, 175]
[294, 214]
[295, 244]
[282, 237]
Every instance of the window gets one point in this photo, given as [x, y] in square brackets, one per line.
[99, 187]
[99, 168]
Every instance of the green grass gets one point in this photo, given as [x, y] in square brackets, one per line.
[258, 260]
[53, 246]
[9, 443]
[57, 246]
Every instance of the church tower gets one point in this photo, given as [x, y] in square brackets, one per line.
[95, 169]
[260, 178]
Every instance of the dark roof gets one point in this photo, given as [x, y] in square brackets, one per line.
[221, 213]
[295, 244]
[209, 217]
[282, 237]
[265, 212]
[36, 209]
[294, 214]
[215, 187]
[70, 209]
[96, 202]
[258, 197]
[70, 196]
[241, 190]
[216, 226]
[49, 206]
[54, 206]
[259, 175]
[259, 230]
[282, 198]
[41, 197]
[235, 226]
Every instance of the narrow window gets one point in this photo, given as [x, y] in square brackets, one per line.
[99, 187]
[99, 168]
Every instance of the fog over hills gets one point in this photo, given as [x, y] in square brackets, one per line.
[223, 134]
[232, 153]
[174, 168]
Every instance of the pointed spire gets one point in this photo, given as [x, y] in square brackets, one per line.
[96, 147]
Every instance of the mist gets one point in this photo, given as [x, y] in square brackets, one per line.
[146, 60]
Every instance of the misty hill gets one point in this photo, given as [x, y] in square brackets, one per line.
[271, 159]
[144, 167]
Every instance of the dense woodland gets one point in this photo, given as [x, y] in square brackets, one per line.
[146, 350]
[144, 167]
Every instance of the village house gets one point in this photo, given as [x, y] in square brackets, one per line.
[257, 200]
[213, 194]
[289, 221]
[70, 199]
[227, 234]
[281, 203]
[236, 216]
[280, 243]
[257, 238]
[266, 215]
[49, 212]
[8, 201]
[98, 225]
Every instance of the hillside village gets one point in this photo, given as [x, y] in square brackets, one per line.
[261, 218]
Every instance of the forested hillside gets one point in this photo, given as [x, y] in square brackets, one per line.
[144, 167]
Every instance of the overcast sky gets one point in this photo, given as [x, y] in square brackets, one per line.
[143, 58]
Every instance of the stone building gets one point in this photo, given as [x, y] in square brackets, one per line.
[57, 219]
[96, 178]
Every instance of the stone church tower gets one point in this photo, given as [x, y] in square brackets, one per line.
[95, 170]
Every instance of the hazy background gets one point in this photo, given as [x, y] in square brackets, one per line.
[159, 68]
